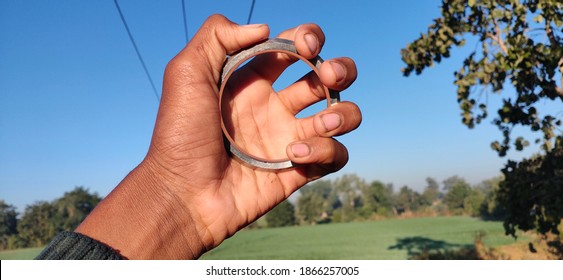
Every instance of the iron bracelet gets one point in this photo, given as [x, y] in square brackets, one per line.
[234, 61]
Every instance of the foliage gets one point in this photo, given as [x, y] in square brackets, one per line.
[408, 199]
[451, 181]
[316, 201]
[8, 223]
[473, 203]
[345, 199]
[41, 221]
[282, 215]
[521, 42]
[377, 198]
[431, 192]
[456, 197]
[8, 220]
[490, 208]
[532, 193]
[36, 226]
[73, 208]
[462, 198]
[349, 198]
[348, 189]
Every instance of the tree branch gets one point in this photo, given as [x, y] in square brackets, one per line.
[497, 37]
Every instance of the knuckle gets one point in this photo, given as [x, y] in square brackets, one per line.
[177, 66]
[215, 19]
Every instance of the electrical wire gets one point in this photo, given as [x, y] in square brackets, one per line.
[136, 50]
[185, 21]
[251, 11]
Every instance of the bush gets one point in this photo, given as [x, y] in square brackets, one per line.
[282, 215]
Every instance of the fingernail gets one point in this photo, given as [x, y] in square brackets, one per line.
[331, 121]
[300, 150]
[339, 71]
[312, 42]
[256, 25]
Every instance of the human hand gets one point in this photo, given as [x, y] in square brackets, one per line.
[188, 195]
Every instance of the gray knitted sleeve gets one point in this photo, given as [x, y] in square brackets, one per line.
[75, 246]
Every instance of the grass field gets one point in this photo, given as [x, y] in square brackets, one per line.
[22, 254]
[378, 240]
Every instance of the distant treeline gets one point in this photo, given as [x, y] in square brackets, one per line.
[351, 198]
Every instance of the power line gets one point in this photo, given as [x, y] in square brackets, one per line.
[136, 50]
[185, 21]
[251, 11]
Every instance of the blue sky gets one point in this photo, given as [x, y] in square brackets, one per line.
[76, 108]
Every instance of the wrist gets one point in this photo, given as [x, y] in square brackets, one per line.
[142, 219]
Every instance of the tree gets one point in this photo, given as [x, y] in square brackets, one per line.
[456, 197]
[36, 226]
[8, 223]
[282, 215]
[348, 190]
[316, 201]
[377, 198]
[73, 207]
[42, 220]
[431, 192]
[491, 208]
[473, 202]
[521, 42]
[532, 193]
[408, 199]
[450, 182]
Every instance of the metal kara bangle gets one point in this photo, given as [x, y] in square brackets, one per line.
[234, 61]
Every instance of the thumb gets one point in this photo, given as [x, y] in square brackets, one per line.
[201, 61]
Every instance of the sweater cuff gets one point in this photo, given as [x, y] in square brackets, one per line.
[75, 246]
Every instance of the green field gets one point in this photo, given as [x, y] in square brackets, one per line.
[22, 254]
[378, 240]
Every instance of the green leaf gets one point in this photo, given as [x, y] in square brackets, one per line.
[496, 146]
[496, 13]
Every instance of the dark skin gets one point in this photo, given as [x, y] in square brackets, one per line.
[188, 194]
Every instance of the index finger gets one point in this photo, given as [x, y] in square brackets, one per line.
[308, 40]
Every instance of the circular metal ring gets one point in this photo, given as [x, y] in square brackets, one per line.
[234, 61]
